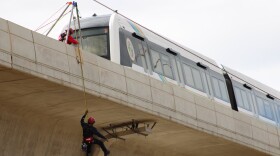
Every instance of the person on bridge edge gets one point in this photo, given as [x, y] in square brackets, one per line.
[71, 40]
[88, 131]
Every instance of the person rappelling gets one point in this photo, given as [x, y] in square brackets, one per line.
[88, 136]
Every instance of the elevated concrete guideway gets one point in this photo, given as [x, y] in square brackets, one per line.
[39, 117]
[41, 102]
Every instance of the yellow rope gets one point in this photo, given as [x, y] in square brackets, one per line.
[82, 71]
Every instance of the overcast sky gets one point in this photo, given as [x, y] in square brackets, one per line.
[241, 34]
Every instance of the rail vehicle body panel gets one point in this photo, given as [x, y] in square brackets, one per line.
[124, 42]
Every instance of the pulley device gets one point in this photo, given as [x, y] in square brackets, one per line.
[74, 7]
[65, 12]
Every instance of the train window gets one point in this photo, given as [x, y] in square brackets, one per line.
[95, 40]
[219, 89]
[268, 110]
[238, 97]
[260, 106]
[264, 108]
[156, 62]
[166, 66]
[197, 79]
[175, 69]
[193, 77]
[223, 90]
[250, 100]
[204, 79]
[180, 70]
[243, 98]
[216, 88]
[278, 112]
[188, 75]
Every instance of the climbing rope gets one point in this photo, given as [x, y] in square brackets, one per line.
[51, 17]
[83, 79]
[51, 22]
[78, 52]
[80, 61]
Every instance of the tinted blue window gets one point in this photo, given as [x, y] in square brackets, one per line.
[180, 70]
[250, 100]
[239, 100]
[216, 88]
[175, 69]
[223, 90]
[188, 75]
[243, 98]
[193, 77]
[260, 106]
[268, 110]
[278, 112]
[197, 79]
[265, 109]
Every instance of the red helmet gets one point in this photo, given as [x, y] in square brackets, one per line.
[91, 120]
[71, 31]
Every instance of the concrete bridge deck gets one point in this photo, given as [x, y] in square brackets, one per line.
[41, 102]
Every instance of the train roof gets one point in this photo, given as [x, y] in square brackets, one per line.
[89, 22]
[168, 43]
[239, 77]
[95, 21]
[104, 20]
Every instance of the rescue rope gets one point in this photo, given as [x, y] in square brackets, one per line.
[80, 61]
[83, 79]
[51, 16]
[52, 22]
[77, 49]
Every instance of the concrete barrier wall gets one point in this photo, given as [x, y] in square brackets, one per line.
[33, 53]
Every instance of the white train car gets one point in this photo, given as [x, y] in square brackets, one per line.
[124, 42]
[254, 97]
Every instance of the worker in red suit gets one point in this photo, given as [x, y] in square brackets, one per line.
[71, 40]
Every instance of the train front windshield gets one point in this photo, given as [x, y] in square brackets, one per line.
[96, 41]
